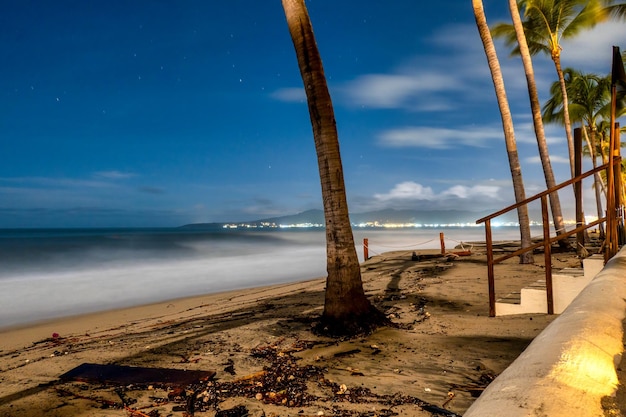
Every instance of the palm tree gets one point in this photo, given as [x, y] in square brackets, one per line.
[346, 309]
[546, 23]
[617, 11]
[589, 98]
[507, 125]
[589, 102]
[542, 144]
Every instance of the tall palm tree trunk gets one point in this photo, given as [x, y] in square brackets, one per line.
[542, 144]
[346, 309]
[507, 125]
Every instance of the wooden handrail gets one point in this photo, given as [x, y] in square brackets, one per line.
[546, 242]
[552, 240]
[543, 193]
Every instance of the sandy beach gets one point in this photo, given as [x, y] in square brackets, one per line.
[444, 351]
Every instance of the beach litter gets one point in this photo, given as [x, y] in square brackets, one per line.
[282, 382]
[128, 375]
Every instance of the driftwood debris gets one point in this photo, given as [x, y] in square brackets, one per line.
[448, 256]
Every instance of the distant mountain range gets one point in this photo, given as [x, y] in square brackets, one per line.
[387, 216]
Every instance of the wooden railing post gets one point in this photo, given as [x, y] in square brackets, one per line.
[366, 254]
[611, 208]
[617, 187]
[547, 251]
[442, 243]
[490, 275]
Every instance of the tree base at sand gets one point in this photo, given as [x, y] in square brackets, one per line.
[352, 325]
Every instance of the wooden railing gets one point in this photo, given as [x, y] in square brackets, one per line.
[547, 239]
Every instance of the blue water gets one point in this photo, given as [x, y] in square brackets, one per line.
[60, 272]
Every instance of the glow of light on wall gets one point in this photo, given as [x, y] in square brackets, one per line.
[588, 368]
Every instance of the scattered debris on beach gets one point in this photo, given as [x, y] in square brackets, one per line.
[282, 382]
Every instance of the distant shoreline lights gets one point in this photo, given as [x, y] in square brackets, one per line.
[371, 225]
[381, 225]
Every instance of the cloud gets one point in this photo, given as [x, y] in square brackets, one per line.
[407, 190]
[413, 194]
[555, 159]
[462, 191]
[453, 75]
[440, 138]
[114, 175]
[87, 216]
[49, 182]
[525, 131]
[297, 95]
[592, 50]
[457, 75]
[397, 90]
[59, 193]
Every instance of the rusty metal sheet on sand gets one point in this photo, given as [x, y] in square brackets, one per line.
[126, 375]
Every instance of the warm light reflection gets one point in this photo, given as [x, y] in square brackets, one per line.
[588, 368]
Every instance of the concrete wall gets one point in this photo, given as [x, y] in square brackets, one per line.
[572, 364]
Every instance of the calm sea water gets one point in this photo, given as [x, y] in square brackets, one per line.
[59, 272]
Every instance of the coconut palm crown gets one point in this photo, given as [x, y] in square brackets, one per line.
[546, 23]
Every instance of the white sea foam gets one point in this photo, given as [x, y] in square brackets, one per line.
[94, 278]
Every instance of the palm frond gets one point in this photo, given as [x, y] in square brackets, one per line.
[617, 11]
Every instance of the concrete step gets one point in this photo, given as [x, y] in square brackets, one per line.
[539, 284]
[566, 285]
[575, 272]
[512, 298]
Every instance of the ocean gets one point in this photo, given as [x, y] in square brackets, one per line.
[51, 273]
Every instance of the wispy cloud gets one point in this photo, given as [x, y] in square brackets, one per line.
[592, 50]
[297, 95]
[53, 182]
[457, 73]
[87, 216]
[440, 138]
[446, 79]
[555, 159]
[525, 130]
[114, 175]
[407, 190]
[463, 192]
[419, 83]
[410, 194]
[399, 90]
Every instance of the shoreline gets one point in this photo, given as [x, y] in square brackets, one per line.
[69, 277]
[14, 335]
[444, 351]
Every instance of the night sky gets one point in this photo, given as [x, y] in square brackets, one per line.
[161, 113]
